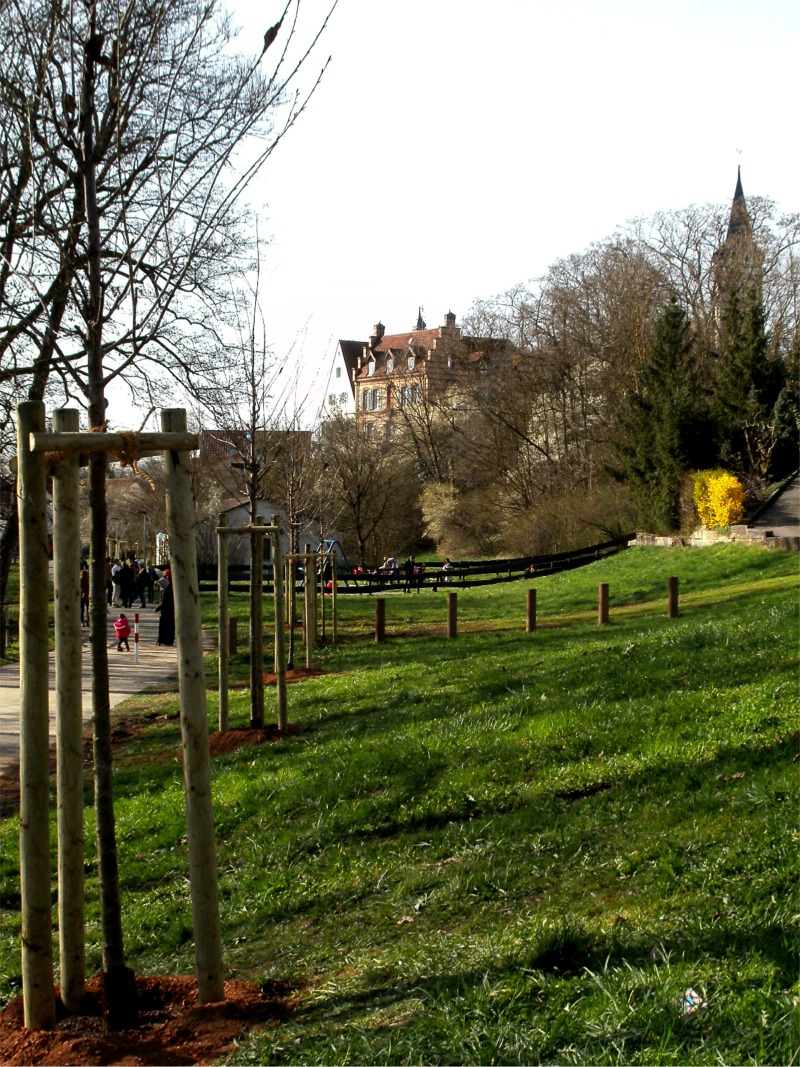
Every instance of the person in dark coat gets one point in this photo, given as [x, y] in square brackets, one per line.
[127, 584]
[142, 585]
[166, 622]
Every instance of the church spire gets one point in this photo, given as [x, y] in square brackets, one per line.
[739, 221]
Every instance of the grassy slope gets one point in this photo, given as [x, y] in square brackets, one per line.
[507, 848]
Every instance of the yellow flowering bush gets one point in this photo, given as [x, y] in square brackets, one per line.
[718, 497]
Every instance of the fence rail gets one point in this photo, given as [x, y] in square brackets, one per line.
[462, 574]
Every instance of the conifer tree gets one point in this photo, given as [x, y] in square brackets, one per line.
[666, 423]
[748, 388]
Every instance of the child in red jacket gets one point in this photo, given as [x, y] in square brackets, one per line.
[122, 628]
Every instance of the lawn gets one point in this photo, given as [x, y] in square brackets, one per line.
[507, 847]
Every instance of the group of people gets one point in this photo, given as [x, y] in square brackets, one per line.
[125, 581]
[413, 573]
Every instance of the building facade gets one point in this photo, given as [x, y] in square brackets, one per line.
[393, 372]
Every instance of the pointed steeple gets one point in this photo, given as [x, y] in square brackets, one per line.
[739, 221]
[420, 321]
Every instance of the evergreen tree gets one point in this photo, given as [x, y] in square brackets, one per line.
[748, 389]
[666, 423]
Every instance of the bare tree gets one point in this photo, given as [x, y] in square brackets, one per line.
[120, 192]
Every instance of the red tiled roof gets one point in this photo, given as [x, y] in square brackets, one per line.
[417, 338]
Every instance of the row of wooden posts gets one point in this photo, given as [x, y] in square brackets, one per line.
[65, 445]
[284, 597]
[530, 609]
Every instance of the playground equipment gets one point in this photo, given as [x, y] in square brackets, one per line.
[334, 550]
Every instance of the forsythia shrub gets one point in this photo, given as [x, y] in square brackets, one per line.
[718, 497]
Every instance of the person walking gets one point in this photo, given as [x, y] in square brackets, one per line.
[166, 623]
[122, 629]
[127, 584]
[142, 585]
[84, 586]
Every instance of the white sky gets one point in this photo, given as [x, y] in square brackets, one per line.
[458, 147]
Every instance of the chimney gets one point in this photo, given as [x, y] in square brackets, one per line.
[450, 319]
[378, 330]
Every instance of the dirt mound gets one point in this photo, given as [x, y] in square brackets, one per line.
[172, 1027]
[230, 740]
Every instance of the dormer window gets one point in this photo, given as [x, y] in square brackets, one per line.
[389, 365]
[371, 368]
[411, 360]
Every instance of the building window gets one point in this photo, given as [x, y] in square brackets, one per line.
[388, 431]
[371, 368]
[411, 361]
[389, 365]
[416, 394]
[338, 372]
[342, 398]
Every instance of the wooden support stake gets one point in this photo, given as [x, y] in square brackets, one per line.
[530, 611]
[222, 623]
[602, 604]
[672, 598]
[69, 719]
[310, 615]
[452, 614]
[203, 883]
[380, 620]
[257, 626]
[38, 992]
[280, 630]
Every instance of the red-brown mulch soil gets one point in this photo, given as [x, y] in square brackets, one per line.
[172, 1027]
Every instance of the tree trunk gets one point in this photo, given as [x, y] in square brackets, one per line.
[119, 986]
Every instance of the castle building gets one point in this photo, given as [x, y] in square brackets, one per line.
[393, 372]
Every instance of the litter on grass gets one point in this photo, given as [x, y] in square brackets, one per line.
[692, 1003]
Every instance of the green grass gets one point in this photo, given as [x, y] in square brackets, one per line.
[506, 848]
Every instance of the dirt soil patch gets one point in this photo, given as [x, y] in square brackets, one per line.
[172, 1027]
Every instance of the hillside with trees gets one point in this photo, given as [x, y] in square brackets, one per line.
[670, 347]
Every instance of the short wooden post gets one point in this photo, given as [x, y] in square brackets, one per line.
[38, 992]
[257, 626]
[452, 614]
[69, 718]
[203, 885]
[530, 612]
[602, 603]
[233, 636]
[223, 622]
[380, 620]
[672, 598]
[278, 589]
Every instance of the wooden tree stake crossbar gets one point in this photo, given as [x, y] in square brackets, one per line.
[144, 444]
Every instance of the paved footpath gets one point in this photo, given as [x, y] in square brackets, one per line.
[782, 515]
[157, 665]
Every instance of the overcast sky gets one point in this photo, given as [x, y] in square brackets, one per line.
[456, 148]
